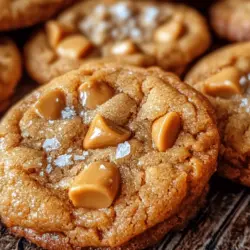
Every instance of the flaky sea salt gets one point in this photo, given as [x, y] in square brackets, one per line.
[245, 104]
[121, 11]
[81, 157]
[123, 149]
[2, 142]
[51, 144]
[243, 81]
[68, 113]
[63, 161]
[49, 169]
[49, 159]
[150, 15]
[135, 33]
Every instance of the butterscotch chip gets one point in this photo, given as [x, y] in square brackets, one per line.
[103, 133]
[170, 31]
[55, 32]
[224, 84]
[124, 48]
[82, 181]
[10, 70]
[224, 77]
[148, 33]
[93, 94]
[51, 105]
[165, 131]
[74, 46]
[96, 186]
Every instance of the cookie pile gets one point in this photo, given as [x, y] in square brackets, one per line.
[114, 150]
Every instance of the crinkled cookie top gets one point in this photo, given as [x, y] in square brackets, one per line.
[104, 153]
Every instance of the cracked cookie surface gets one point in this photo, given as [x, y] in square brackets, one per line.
[23, 13]
[139, 33]
[45, 153]
[223, 76]
[10, 70]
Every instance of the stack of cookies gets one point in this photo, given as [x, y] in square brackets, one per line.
[118, 145]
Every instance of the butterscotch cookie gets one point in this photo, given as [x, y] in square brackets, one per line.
[23, 13]
[230, 19]
[223, 77]
[101, 156]
[10, 70]
[140, 33]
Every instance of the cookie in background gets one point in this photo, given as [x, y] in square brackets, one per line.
[231, 19]
[139, 33]
[10, 70]
[223, 76]
[23, 13]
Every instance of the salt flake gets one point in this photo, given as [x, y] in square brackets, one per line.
[51, 144]
[68, 113]
[63, 161]
[123, 149]
[121, 11]
[81, 157]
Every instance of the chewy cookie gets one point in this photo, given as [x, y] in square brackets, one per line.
[223, 76]
[10, 70]
[139, 33]
[23, 13]
[105, 156]
[231, 19]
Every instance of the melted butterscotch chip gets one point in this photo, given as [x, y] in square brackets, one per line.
[223, 84]
[124, 48]
[51, 105]
[94, 93]
[103, 133]
[169, 31]
[96, 186]
[165, 131]
[55, 33]
[74, 46]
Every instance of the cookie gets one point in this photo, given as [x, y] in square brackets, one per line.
[223, 76]
[103, 154]
[148, 238]
[22, 13]
[10, 70]
[230, 19]
[138, 33]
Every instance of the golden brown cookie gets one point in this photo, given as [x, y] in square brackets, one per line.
[148, 238]
[139, 33]
[223, 76]
[79, 171]
[23, 13]
[231, 19]
[10, 70]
